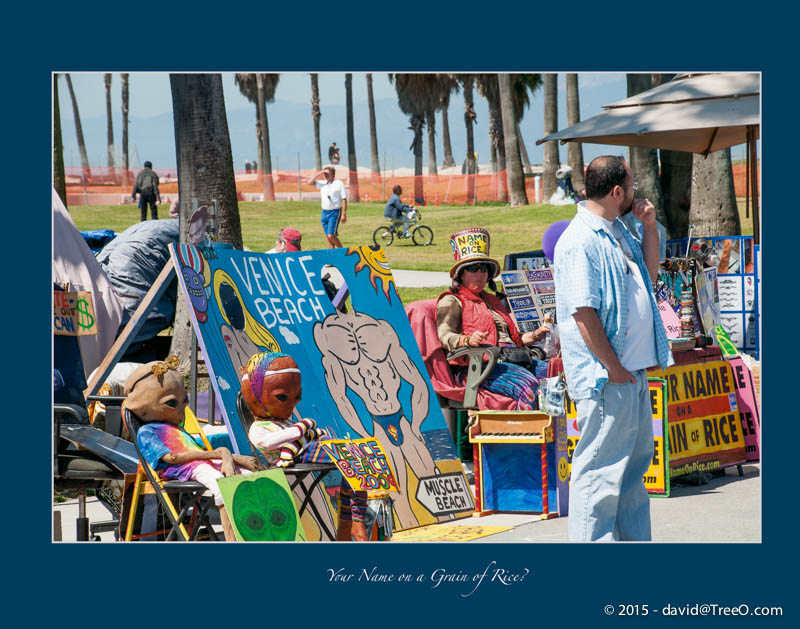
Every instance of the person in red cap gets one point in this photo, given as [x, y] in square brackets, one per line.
[288, 240]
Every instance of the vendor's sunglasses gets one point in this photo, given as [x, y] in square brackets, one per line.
[477, 268]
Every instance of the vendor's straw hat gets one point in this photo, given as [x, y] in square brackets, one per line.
[470, 246]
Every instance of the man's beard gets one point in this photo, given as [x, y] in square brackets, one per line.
[628, 210]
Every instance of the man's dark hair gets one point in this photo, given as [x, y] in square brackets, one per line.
[397, 190]
[602, 174]
[148, 164]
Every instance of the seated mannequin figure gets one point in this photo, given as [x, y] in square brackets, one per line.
[156, 395]
[271, 388]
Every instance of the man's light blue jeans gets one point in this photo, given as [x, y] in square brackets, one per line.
[607, 497]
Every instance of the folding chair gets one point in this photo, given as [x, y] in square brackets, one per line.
[296, 472]
[190, 494]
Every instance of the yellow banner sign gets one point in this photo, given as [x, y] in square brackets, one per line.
[363, 462]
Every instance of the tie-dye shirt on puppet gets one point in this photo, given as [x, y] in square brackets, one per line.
[157, 439]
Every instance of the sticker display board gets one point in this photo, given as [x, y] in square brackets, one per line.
[656, 480]
[73, 313]
[261, 508]
[362, 462]
[363, 375]
[531, 295]
[705, 430]
[737, 286]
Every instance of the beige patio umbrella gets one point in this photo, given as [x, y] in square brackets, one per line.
[697, 113]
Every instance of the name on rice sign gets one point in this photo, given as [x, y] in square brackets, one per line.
[704, 426]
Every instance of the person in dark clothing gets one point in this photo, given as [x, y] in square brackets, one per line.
[397, 210]
[333, 153]
[146, 186]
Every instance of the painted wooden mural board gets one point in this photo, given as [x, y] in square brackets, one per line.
[363, 375]
[749, 412]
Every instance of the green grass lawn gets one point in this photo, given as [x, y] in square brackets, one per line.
[512, 229]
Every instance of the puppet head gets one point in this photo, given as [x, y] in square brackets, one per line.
[155, 392]
[271, 384]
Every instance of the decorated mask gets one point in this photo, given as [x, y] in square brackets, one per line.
[264, 512]
[155, 392]
[271, 384]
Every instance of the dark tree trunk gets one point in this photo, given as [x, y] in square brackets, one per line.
[676, 185]
[352, 163]
[574, 149]
[125, 109]
[416, 126]
[79, 130]
[514, 174]
[59, 178]
[375, 161]
[316, 114]
[110, 129]
[205, 172]
[714, 211]
[268, 185]
[470, 167]
[448, 162]
[644, 161]
[550, 158]
[430, 119]
[523, 151]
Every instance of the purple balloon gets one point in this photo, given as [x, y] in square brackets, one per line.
[551, 236]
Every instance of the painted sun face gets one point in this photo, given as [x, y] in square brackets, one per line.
[373, 258]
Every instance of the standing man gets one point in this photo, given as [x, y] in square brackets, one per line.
[611, 333]
[333, 154]
[146, 185]
[334, 204]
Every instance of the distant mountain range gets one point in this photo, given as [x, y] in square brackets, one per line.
[292, 134]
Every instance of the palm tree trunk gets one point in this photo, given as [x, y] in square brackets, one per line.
[515, 176]
[523, 151]
[644, 161]
[430, 119]
[352, 193]
[714, 211]
[110, 129]
[315, 116]
[375, 161]
[550, 158]
[417, 123]
[79, 130]
[266, 173]
[202, 138]
[125, 109]
[498, 147]
[448, 162]
[574, 149]
[469, 120]
[676, 182]
[59, 178]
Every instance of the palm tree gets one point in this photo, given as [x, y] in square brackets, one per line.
[676, 182]
[516, 178]
[643, 160]
[550, 159]
[260, 90]
[713, 209]
[416, 95]
[316, 114]
[373, 133]
[443, 85]
[125, 100]
[205, 171]
[352, 163]
[79, 130]
[524, 85]
[470, 167]
[574, 149]
[59, 178]
[444, 104]
[489, 89]
[110, 129]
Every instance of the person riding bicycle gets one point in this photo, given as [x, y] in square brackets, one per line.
[397, 210]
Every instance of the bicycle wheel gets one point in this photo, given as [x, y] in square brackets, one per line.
[422, 235]
[383, 236]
